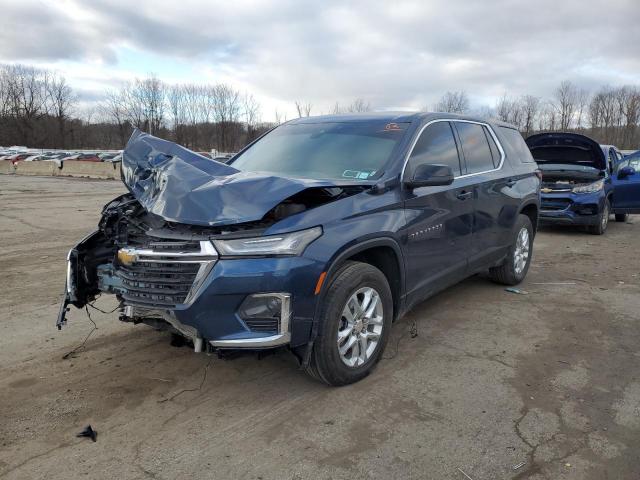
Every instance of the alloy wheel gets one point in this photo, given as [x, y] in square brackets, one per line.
[360, 327]
[521, 252]
[605, 216]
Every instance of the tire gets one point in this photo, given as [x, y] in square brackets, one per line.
[515, 267]
[354, 280]
[622, 217]
[603, 220]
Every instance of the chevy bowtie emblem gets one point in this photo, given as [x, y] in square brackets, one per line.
[546, 190]
[125, 257]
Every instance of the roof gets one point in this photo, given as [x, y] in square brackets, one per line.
[395, 116]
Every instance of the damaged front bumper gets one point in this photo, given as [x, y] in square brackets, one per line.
[250, 303]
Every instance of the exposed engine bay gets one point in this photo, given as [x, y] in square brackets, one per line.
[566, 177]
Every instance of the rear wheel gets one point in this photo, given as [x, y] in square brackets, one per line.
[622, 217]
[354, 325]
[516, 265]
[603, 220]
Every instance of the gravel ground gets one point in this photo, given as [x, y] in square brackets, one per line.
[492, 380]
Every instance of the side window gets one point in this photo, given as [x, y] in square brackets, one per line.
[515, 145]
[612, 159]
[495, 152]
[477, 153]
[436, 145]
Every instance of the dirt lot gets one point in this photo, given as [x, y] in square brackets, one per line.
[493, 379]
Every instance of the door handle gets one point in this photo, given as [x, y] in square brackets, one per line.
[511, 182]
[464, 195]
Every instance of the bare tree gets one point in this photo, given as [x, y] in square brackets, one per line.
[630, 97]
[530, 112]
[113, 109]
[359, 105]
[177, 110]
[566, 100]
[251, 114]
[26, 97]
[582, 99]
[304, 109]
[226, 114]
[280, 117]
[453, 102]
[61, 100]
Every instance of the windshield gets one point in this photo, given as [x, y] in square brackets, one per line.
[336, 151]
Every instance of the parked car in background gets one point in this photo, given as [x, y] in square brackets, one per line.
[112, 157]
[577, 185]
[85, 157]
[107, 156]
[17, 157]
[315, 237]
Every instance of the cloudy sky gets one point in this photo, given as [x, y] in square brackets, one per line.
[394, 54]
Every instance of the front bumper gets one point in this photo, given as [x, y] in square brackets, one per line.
[209, 310]
[572, 209]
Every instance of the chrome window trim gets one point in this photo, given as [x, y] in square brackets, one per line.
[489, 128]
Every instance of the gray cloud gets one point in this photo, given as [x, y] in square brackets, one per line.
[391, 53]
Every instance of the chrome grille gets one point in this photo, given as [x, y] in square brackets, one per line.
[164, 274]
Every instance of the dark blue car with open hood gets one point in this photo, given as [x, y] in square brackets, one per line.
[315, 237]
[582, 181]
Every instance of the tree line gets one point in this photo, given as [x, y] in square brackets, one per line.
[38, 108]
[610, 115]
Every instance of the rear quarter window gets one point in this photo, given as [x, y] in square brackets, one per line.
[516, 145]
[477, 154]
[495, 153]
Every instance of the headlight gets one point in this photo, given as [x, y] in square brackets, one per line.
[292, 243]
[590, 188]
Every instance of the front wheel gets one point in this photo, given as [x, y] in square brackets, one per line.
[516, 265]
[603, 220]
[355, 323]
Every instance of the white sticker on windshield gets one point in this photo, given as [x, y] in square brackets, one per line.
[360, 175]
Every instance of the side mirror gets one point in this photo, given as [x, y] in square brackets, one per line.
[426, 175]
[625, 172]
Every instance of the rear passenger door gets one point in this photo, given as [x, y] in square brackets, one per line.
[485, 169]
[439, 218]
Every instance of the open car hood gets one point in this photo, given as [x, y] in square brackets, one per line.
[181, 186]
[566, 148]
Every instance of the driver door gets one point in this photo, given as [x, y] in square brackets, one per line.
[626, 193]
[439, 218]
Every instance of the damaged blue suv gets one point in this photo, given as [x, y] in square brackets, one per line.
[315, 237]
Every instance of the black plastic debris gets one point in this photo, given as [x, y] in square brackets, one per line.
[89, 433]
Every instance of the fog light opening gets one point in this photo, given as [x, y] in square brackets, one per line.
[266, 312]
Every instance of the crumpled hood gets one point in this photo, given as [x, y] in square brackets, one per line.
[181, 186]
[566, 148]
